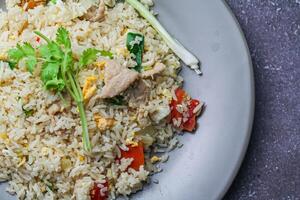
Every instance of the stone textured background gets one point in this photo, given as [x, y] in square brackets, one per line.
[271, 169]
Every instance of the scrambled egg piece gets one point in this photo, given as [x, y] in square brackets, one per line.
[22, 162]
[66, 163]
[155, 159]
[3, 57]
[89, 88]
[19, 153]
[81, 157]
[100, 64]
[12, 37]
[3, 136]
[103, 123]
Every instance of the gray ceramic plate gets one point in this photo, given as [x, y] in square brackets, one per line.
[209, 160]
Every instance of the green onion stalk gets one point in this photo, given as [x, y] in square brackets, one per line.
[187, 57]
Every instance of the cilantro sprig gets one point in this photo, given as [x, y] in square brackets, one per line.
[59, 69]
[23, 51]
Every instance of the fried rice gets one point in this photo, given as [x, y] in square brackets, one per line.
[41, 154]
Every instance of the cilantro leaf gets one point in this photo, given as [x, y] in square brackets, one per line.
[25, 51]
[49, 71]
[57, 72]
[88, 57]
[135, 45]
[106, 54]
[51, 51]
[55, 84]
[16, 54]
[31, 63]
[62, 38]
[12, 64]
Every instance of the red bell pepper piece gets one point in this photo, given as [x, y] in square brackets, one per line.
[137, 153]
[96, 192]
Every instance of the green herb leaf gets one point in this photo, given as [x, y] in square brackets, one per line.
[31, 63]
[51, 51]
[27, 112]
[88, 57]
[106, 54]
[117, 100]
[55, 84]
[62, 38]
[57, 73]
[49, 71]
[53, 1]
[12, 64]
[135, 45]
[15, 55]
[26, 51]
[51, 77]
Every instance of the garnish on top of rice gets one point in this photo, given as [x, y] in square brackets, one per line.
[91, 99]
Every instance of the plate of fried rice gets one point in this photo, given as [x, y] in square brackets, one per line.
[99, 101]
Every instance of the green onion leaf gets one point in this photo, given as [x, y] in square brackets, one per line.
[135, 45]
[27, 112]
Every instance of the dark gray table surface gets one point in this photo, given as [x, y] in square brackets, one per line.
[271, 168]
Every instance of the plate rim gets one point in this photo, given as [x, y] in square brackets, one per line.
[246, 140]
